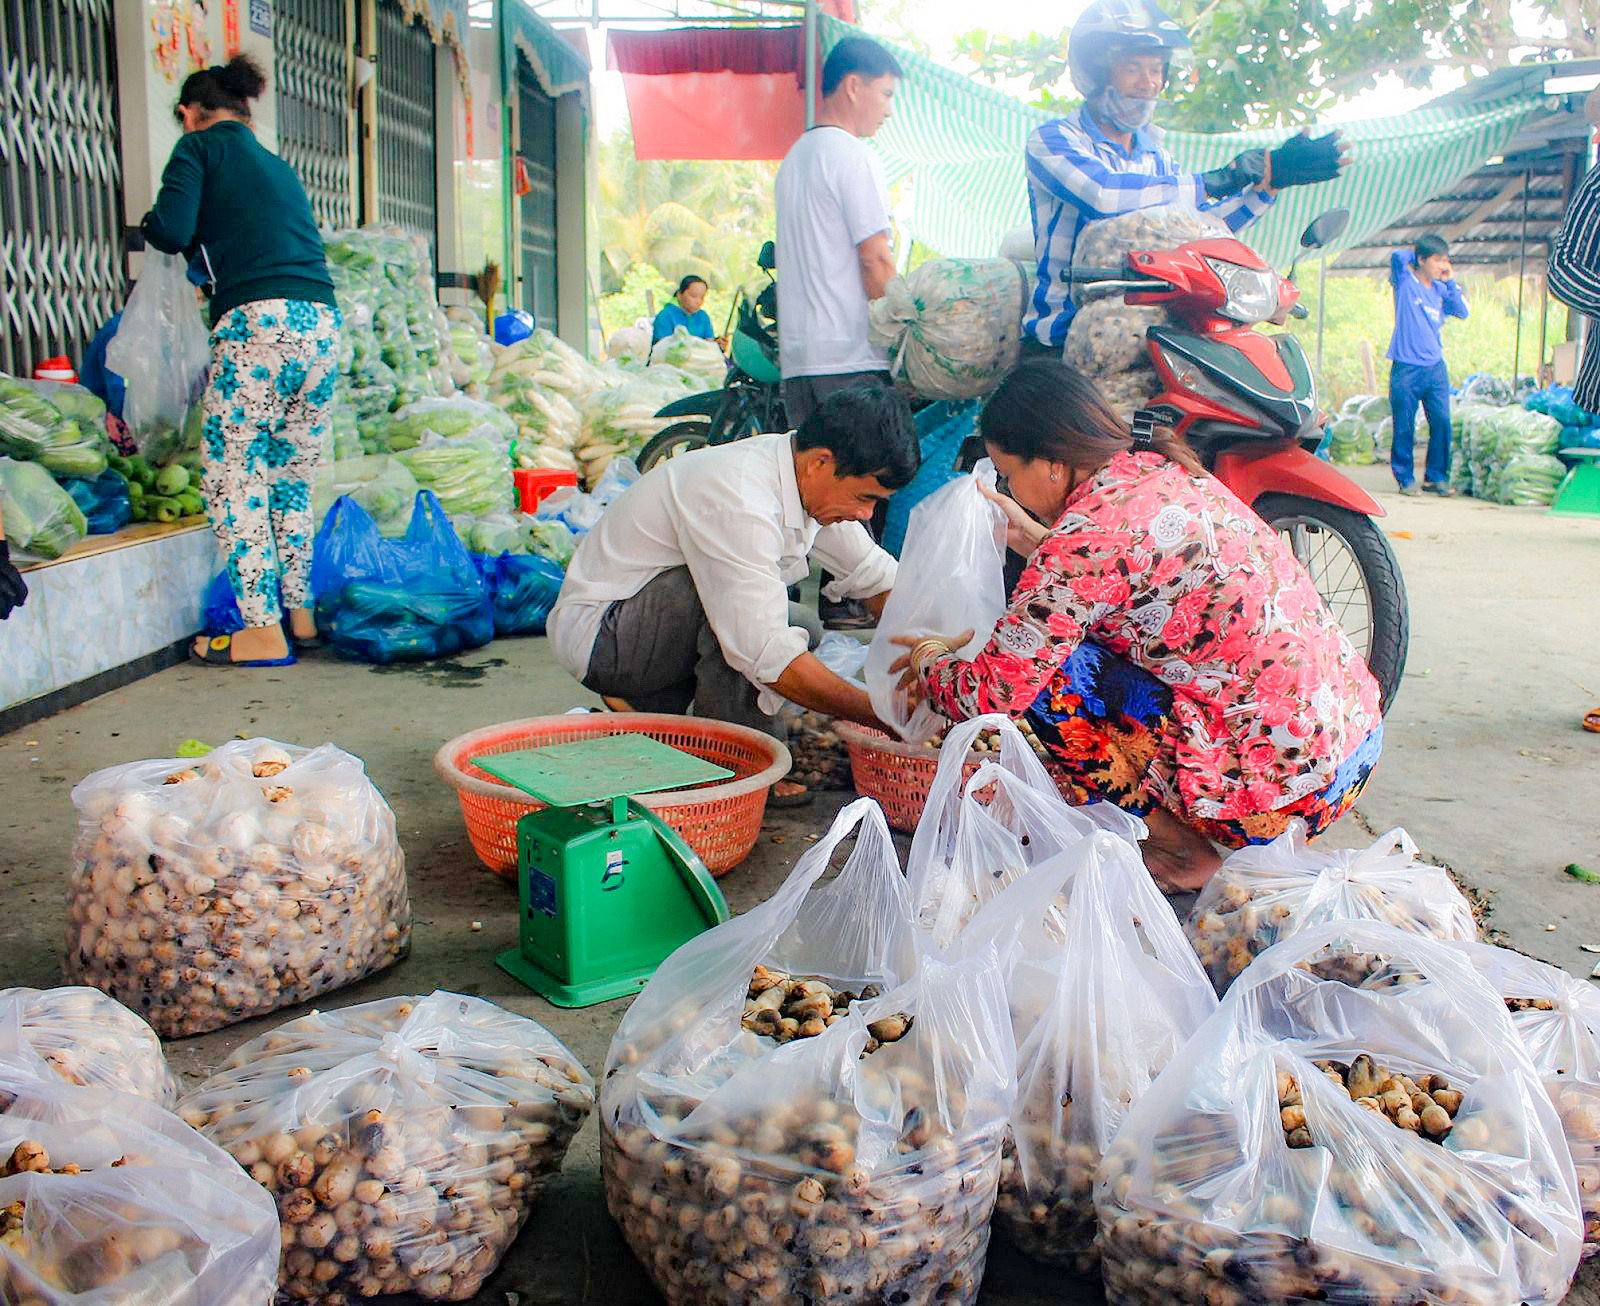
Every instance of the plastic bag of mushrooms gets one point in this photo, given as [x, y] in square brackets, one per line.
[1265, 893]
[203, 892]
[1358, 1122]
[838, 1141]
[1557, 1018]
[105, 1197]
[404, 1141]
[979, 833]
[85, 1038]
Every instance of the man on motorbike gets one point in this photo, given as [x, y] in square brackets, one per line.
[1104, 158]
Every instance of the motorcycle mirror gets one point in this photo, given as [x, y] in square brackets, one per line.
[767, 260]
[1325, 228]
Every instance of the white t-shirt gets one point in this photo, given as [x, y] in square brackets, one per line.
[733, 515]
[831, 197]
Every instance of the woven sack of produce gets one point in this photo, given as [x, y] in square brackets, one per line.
[952, 327]
[977, 835]
[204, 892]
[108, 1198]
[951, 579]
[806, 1105]
[1557, 1018]
[1107, 337]
[404, 1141]
[1358, 1123]
[1103, 990]
[86, 1038]
[700, 358]
[1265, 893]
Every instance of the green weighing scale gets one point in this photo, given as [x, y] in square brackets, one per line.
[606, 890]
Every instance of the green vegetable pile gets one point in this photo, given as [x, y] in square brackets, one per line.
[62, 428]
[470, 474]
[517, 533]
[449, 419]
[161, 494]
[1362, 432]
[41, 518]
[701, 359]
[1505, 454]
[471, 355]
[379, 483]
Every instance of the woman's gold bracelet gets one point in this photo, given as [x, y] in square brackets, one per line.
[920, 649]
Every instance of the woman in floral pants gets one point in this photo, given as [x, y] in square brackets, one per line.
[274, 354]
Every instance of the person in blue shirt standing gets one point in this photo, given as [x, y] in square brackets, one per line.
[1425, 293]
[685, 311]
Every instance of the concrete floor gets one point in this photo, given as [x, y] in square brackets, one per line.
[1485, 766]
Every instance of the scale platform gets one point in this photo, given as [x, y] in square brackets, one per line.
[606, 889]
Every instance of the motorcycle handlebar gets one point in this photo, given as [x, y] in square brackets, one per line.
[1094, 276]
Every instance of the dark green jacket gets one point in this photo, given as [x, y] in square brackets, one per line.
[224, 190]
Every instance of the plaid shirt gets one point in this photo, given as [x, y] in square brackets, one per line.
[1077, 175]
[1575, 281]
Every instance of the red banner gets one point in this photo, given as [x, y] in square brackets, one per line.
[230, 27]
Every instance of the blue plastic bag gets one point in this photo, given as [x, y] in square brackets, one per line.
[103, 500]
[219, 609]
[522, 590]
[404, 600]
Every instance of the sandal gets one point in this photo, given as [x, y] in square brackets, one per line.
[1591, 721]
[301, 643]
[219, 650]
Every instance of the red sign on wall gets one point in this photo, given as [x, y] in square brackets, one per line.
[230, 27]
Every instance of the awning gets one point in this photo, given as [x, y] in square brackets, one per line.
[959, 146]
[559, 66]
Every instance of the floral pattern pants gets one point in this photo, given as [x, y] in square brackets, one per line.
[273, 367]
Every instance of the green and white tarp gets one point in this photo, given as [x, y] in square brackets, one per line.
[958, 147]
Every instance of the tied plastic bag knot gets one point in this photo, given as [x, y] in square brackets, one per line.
[395, 1053]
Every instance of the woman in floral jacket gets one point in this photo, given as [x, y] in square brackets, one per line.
[1164, 642]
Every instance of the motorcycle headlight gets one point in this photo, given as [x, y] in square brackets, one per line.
[1252, 294]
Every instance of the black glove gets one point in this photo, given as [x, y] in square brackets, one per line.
[1245, 171]
[13, 589]
[1303, 160]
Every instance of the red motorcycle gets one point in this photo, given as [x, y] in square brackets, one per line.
[1246, 402]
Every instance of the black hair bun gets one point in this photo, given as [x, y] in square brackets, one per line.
[241, 78]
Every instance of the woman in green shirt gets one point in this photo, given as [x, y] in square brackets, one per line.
[274, 354]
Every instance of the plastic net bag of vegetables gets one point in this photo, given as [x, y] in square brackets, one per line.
[1104, 990]
[404, 1141]
[41, 518]
[398, 600]
[806, 1105]
[204, 892]
[470, 474]
[1557, 1018]
[700, 358]
[1372, 1136]
[984, 826]
[108, 1198]
[450, 419]
[952, 326]
[379, 483]
[162, 346]
[952, 578]
[87, 1039]
[522, 590]
[1266, 893]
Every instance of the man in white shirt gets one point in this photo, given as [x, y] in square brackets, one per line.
[679, 595]
[833, 231]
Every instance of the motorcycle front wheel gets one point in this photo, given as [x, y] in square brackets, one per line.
[1355, 571]
[671, 441]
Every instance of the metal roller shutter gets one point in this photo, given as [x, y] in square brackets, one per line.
[536, 143]
[310, 44]
[407, 177]
[61, 247]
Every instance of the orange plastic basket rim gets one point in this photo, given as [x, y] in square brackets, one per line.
[878, 742]
[445, 764]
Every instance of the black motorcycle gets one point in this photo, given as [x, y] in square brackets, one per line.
[751, 401]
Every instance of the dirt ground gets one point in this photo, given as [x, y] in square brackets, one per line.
[1485, 765]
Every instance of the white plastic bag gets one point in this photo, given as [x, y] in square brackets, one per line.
[203, 892]
[953, 326]
[951, 579]
[840, 1166]
[108, 1199]
[980, 831]
[87, 1039]
[403, 1140]
[1104, 990]
[162, 347]
[1557, 1018]
[1265, 893]
[1204, 1196]
[842, 655]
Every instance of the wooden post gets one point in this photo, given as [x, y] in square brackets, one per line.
[1369, 370]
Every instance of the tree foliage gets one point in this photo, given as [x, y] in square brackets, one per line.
[1286, 61]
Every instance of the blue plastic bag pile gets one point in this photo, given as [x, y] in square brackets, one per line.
[1580, 429]
[417, 597]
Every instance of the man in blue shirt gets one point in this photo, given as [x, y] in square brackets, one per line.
[1425, 293]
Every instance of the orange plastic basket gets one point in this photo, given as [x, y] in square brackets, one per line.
[897, 774]
[721, 822]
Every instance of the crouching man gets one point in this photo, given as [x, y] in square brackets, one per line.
[679, 596]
